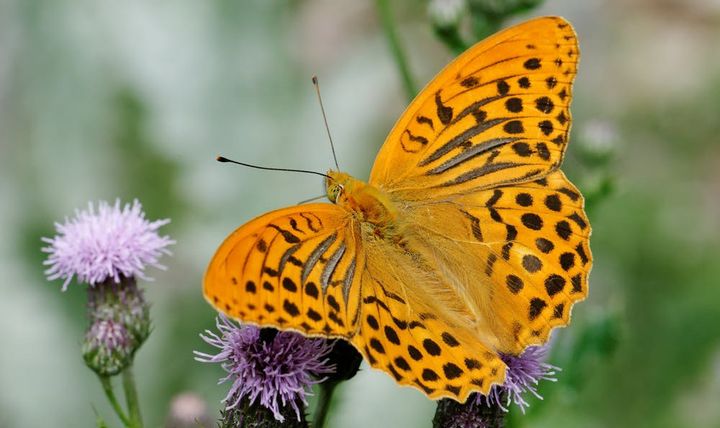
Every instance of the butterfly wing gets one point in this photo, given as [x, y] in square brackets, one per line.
[415, 329]
[498, 114]
[486, 274]
[473, 164]
[294, 268]
[529, 244]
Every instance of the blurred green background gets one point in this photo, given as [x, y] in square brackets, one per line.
[134, 99]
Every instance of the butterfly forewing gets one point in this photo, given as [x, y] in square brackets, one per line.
[292, 268]
[498, 114]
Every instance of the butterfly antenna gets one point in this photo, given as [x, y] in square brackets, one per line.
[267, 168]
[316, 84]
[311, 199]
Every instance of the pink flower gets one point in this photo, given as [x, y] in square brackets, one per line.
[523, 374]
[113, 242]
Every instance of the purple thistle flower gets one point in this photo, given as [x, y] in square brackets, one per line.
[278, 372]
[113, 242]
[523, 374]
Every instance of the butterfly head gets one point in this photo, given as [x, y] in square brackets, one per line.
[335, 184]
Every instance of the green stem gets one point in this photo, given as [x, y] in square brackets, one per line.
[110, 394]
[131, 398]
[326, 392]
[388, 26]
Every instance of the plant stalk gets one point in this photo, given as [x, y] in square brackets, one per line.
[388, 26]
[326, 391]
[110, 394]
[131, 397]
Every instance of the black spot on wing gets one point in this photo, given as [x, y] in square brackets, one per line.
[425, 120]
[294, 225]
[431, 347]
[261, 245]
[470, 82]
[532, 64]
[311, 222]
[536, 306]
[449, 339]
[554, 284]
[287, 235]
[416, 138]
[474, 225]
[502, 87]
[444, 113]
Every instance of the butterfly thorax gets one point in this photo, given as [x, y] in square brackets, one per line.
[366, 202]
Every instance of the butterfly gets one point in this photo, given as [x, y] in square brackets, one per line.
[467, 242]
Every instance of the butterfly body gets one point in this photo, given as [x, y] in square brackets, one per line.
[465, 243]
[367, 203]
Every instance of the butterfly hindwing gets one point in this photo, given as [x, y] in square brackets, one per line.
[542, 270]
[517, 253]
[292, 268]
[497, 114]
[409, 339]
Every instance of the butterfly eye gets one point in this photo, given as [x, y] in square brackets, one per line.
[334, 191]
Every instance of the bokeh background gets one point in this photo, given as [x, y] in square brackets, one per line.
[134, 99]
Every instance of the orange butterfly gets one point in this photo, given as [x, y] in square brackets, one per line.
[466, 242]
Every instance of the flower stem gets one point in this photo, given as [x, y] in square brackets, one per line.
[131, 398]
[388, 26]
[326, 391]
[110, 394]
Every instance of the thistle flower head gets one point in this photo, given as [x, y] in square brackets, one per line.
[523, 374]
[108, 243]
[119, 324]
[278, 370]
[107, 348]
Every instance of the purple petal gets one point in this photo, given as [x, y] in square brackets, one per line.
[277, 373]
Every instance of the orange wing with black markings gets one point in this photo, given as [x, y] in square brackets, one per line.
[498, 114]
[294, 268]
